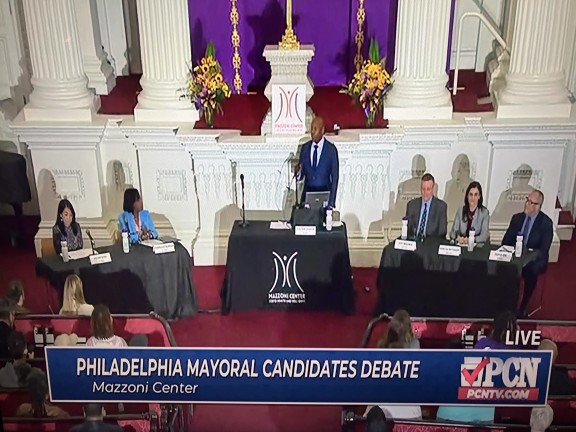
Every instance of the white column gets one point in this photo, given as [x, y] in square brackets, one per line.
[99, 72]
[419, 90]
[535, 84]
[166, 54]
[113, 34]
[60, 85]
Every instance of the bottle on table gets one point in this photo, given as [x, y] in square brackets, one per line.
[125, 242]
[329, 220]
[404, 234]
[519, 243]
[471, 239]
[64, 247]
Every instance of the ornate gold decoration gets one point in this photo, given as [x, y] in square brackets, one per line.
[359, 39]
[236, 61]
[289, 40]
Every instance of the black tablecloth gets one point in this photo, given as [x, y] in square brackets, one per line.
[276, 269]
[137, 282]
[14, 187]
[430, 285]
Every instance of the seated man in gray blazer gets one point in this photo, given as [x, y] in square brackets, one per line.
[472, 216]
[427, 216]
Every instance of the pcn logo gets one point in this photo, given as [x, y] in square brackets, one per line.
[486, 378]
[286, 287]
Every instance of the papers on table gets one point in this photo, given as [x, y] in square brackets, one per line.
[280, 225]
[151, 243]
[509, 249]
[79, 254]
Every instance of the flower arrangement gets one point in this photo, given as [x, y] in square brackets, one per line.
[206, 87]
[370, 84]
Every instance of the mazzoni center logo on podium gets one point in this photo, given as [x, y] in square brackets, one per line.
[286, 287]
[288, 109]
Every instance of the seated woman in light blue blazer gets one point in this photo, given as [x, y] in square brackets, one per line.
[472, 215]
[134, 220]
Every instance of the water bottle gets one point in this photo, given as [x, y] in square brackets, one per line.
[519, 242]
[125, 242]
[64, 247]
[404, 234]
[471, 239]
[328, 220]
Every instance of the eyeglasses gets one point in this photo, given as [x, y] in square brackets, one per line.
[529, 201]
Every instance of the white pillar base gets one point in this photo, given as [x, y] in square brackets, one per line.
[418, 113]
[32, 113]
[145, 115]
[507, 110]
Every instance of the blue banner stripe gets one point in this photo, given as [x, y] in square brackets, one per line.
[299, 376]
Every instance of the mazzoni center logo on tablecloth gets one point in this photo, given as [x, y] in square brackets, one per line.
[286, 287]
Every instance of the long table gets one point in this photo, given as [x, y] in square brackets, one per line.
[276, 269]
[136, 282]
[427, 284]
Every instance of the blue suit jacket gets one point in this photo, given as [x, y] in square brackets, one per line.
[128, 224]
[540, 238]
[326, 173]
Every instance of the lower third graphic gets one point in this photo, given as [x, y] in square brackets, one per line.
[286, 287]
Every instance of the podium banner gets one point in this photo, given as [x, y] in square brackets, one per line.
[298, 376]
[288, 109]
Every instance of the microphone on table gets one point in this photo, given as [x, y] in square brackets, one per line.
[92, 242]
[244, 224]
[297, 168]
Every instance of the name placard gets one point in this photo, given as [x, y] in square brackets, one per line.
[100, 258]
[163, 248]
[303, 230]
[409, 245]
[500, 256]
[449, 250]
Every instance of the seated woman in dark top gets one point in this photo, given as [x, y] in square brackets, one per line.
[66, 228]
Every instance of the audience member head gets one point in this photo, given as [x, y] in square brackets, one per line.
[7, 311]
[38, 392]
[101, 322]
[93, 411]
[15, 292]
[66, 216]
[427, 184]
[473, 198]
[541, 418]
[533, 203]
[376, 420]
[548, 345]
[399, 331]
[17, 345]
[132, 201]
[139, 340]
[317, 129]
[73, 295]
[503, 323]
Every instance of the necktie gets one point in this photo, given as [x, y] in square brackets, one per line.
[526, 229]
[315, 157]
[423, 221]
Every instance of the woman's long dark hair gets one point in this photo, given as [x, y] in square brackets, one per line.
[38, 390]
[131, 195]
[503, 323]
[466, 209]
[62, 205]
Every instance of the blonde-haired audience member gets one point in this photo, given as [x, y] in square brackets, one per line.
[74, 302]
[400, 330]
[560, 382]
[102, 327]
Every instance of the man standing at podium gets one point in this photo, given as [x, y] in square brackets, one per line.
[319, 164]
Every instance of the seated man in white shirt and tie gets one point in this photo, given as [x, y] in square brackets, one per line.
[427, 215]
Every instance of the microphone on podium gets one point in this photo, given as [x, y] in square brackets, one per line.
[244, 224]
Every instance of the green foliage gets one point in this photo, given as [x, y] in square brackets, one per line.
[374, 51]
[210, 51]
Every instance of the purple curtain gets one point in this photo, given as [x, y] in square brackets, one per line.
[329, 25]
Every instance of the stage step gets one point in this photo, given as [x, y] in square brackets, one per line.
[565, 227]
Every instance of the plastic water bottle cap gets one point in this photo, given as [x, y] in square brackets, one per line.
[405, 218]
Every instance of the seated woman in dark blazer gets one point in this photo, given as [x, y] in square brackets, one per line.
[134, 220]
[66, 228]
[472, 215]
